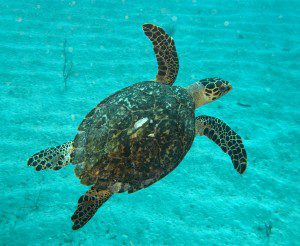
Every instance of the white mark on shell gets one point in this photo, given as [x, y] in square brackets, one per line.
[140, 122]
[151, 135]
[116, 187]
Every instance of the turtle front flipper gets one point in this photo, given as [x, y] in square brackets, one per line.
[88, 205]
[165, 51]
[229, 141]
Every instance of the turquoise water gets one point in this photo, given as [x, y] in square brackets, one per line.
[252, 44]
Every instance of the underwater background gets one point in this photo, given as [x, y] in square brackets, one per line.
[255, 45]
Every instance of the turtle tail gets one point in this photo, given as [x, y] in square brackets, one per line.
[53, 158]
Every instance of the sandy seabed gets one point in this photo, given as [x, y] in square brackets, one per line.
[252, 44]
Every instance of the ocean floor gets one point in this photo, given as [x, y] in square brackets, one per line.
[253, 44]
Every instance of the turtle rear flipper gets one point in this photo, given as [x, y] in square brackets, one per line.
[53, 158]
[229, 141]
[88, 205]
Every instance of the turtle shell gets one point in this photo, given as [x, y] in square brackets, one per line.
[134, 137]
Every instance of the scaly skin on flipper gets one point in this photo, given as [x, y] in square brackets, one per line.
[229, 141]
[53, 158]
[88, 205]
[165, 51]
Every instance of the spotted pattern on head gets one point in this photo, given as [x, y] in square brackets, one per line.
[165, 51]
[229, 141]
[214, 88]
[53, 158]
[88, 205]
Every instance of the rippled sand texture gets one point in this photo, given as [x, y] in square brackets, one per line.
[252, 44]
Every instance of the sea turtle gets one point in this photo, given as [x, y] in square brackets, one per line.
[138, 135]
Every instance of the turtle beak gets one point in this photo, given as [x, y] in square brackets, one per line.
[229, 87]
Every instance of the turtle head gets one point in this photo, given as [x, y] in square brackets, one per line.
[208, 90]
